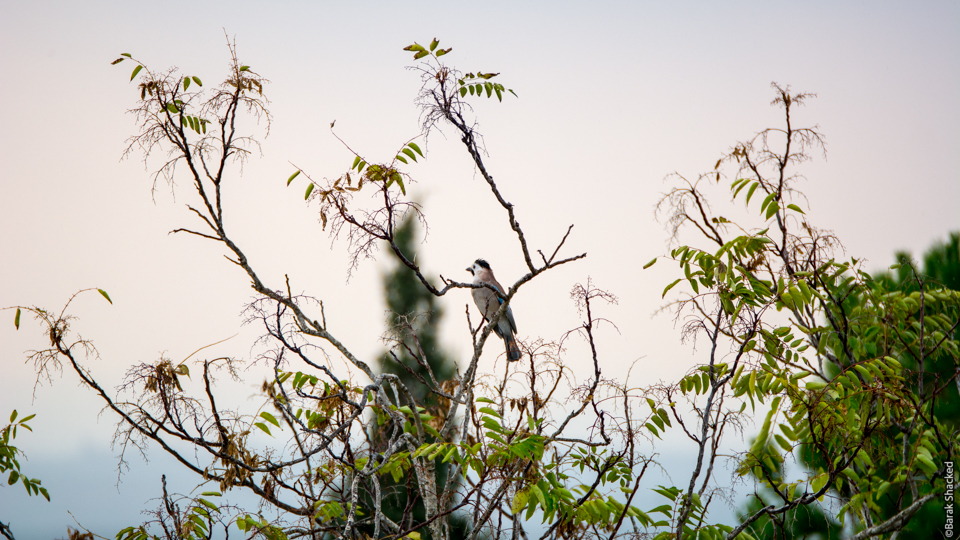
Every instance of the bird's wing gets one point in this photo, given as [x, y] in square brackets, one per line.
[513, 323]
[509, 314]
[493, 281]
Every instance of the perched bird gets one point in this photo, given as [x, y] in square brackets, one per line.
[489, 303]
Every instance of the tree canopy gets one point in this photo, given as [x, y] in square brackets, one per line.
[833, 363]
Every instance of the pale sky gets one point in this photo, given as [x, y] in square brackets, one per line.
[612, 98]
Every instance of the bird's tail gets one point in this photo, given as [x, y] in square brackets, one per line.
[513, 351]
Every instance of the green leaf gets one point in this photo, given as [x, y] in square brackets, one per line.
[172, 108]
[197, 80]
[539, 495]
[766, 201]
[356, 161]
[463, 91]
[263, 426]
[442, 52]
[424, 450]
[415, 148]
[783, 443]
[882, 490]
[410, 153]
[649, 264]
[519, 501]
[420, 55]
[664, 509]
[738, 185]
[309, 191]
[186, 83]
[772, 209]
[198, 521]
[395, 177]
[757, 447]
[13, 416]
[401, 158]
[126, 54]
[244, 68]
[135, 71]
[14, 476]
[211, 494]
[670, 286]
[433, 45]
[292, 176]
[926, 464]
[795, 208]
[16, 319]
[753, 187]
[105, 295]
[117, 61]
[484, 410]
[491, 424]
[269, 418]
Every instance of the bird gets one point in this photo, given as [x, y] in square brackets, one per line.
[489, 302]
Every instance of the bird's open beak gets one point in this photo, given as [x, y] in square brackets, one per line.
[470, 270]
